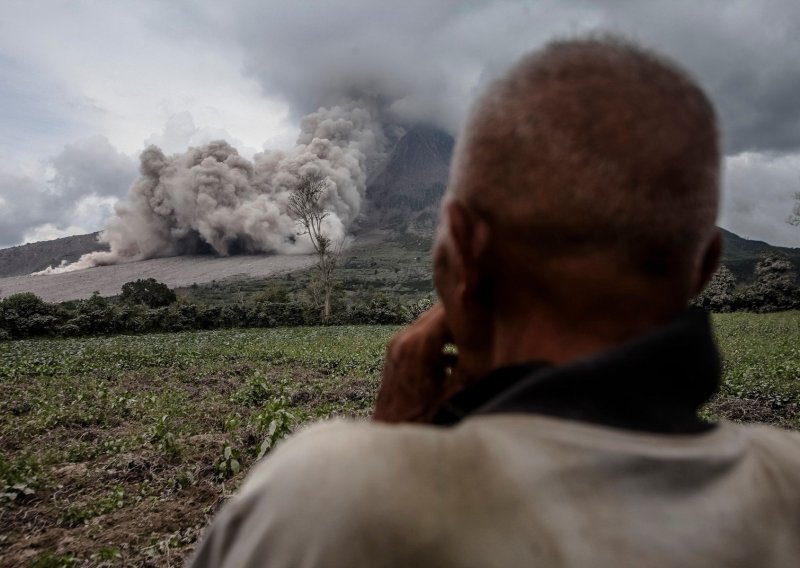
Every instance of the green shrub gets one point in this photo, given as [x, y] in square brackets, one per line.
[775, 286]
[27, 315]
[719, 296]
[149, 292]
[380, 310]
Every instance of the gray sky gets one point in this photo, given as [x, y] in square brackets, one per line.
[84, 86]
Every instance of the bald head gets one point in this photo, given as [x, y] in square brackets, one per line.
[594, 145]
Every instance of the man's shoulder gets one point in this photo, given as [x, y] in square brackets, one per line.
[351, 452]
[773, 443]
[340, 491]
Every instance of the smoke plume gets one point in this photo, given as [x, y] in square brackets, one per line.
[212, 199]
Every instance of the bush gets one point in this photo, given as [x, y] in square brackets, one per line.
[380, 310]
[95, 315]
[273, 293]
[149, 292]
[416, 309]
[775, 286]
[719, 295]
[27, 315]
[179, 317]
[277, 314]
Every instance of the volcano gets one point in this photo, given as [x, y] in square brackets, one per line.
[403, 195]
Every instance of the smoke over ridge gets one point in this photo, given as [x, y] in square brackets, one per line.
[211, 198]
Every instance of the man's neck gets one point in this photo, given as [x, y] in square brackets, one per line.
[560, 340]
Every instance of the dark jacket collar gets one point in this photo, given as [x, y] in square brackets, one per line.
[654, 383]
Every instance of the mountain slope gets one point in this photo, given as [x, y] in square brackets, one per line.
[404, 194]
[24, 259]
[741, 255]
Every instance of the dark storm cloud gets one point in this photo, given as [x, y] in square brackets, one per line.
[424, 60]
[89, 168]
[744, 53]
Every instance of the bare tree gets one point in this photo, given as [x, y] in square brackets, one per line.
[304, 204]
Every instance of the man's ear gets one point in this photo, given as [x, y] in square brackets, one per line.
[709, 262]
[470, 242]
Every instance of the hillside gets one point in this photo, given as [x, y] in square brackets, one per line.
[25, 259]
[404, 194]
[741, 255]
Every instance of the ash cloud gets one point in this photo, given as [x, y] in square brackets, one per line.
[211, 198]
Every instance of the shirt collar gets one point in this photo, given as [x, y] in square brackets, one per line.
[654, 383]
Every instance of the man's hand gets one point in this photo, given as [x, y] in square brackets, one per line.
[417, 375]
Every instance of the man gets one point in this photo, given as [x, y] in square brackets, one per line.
[578, 224]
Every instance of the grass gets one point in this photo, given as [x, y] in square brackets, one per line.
[761, 378]
[118, 450]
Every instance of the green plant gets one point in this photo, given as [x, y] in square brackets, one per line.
[18, 479]
[255, 391]
[78, 514]
[775, 286]
[275, 422]
[53, 560]
[719, 294]
[162, 436]
[229, 463]
[422, 305]
[231, 423]
[107, 553]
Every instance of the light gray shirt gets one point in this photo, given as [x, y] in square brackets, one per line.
[515, 490]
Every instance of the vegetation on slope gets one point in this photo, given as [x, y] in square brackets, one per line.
[118, 450]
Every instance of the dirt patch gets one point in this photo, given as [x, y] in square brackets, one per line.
[754, 411]
[140, 508]
[152, 532]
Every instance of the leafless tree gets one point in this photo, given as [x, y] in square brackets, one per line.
[304, 204]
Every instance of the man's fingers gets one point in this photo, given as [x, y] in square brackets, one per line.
[433, 329]
[417, 370]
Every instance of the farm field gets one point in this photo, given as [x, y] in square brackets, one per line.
[118, 450]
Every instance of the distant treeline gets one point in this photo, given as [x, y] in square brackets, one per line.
[150, 306]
